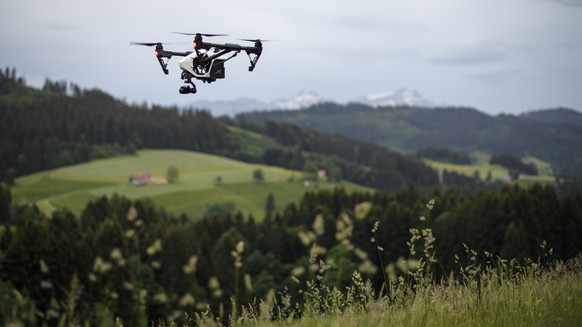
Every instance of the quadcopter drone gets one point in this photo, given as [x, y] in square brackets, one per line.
[206, 62]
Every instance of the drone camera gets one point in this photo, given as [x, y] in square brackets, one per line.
[187, 90]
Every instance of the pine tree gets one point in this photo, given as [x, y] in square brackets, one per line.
[270, 205]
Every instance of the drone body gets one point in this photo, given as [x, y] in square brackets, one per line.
[206, 62]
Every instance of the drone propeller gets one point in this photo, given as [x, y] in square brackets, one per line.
[257, 40]
[201, 34]
[147, 44]
[151, 44]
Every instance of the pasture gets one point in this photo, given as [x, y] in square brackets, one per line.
[72, 187]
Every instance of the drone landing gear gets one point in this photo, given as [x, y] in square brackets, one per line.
[186, 89]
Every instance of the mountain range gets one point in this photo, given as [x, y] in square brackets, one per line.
[553, 135]
[305, 99]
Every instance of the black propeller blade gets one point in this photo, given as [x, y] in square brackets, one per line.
[151, 44]
[202, 34]
[147, 44]
[257, 40]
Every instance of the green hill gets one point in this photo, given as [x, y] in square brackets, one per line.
[554, 136]
[63, 125]
[73, 186]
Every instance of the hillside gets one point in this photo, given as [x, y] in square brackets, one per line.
[63, 125]
[553, 136]
[196, 191]
[563, 116]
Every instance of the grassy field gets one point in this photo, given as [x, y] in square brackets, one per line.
[482, 167]
[74, 186]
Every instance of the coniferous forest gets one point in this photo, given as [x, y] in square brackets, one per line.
[130, 259]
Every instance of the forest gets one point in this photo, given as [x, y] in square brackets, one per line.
[131, 260]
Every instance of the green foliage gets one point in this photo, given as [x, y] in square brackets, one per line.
[172, 174]
[334, 253]
[270, 204]
[5, 203]
[515, 165]
[223, 209]
[444, 154]
[95, 126]
[258, 175]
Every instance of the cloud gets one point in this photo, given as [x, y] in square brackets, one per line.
[569, 3]
[376, 24]
[359, 23]
[495, 78]
[58, 26]
[469, 55]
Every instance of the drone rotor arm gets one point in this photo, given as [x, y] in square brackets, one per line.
[164, 65]
[160, 54]
[253, 59]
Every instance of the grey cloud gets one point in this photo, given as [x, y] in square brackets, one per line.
[472, 55]
[369, 52]
[570, 3]
[58, 26]
[376, 24]
[495, 78]
[359, 23]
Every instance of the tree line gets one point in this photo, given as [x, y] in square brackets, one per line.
[513, 164]
[130, 259]
[53, 129]
[63, 124]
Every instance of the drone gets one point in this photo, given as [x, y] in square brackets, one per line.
[206, 61]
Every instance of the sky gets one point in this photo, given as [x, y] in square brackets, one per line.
[508, 56]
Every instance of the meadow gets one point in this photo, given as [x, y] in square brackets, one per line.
[552, 299]
[204, 180]
[482, 167]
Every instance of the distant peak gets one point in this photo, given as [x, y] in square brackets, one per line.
[303, 99]
[400, 97]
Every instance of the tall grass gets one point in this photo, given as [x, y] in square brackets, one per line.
[530, 297]
[499, 292]
[550, 298]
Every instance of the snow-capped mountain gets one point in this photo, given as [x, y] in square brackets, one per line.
[301, 100]
[231, 107]
[400, 97]
[236, 106]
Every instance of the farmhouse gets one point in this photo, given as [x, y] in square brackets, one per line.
[141, 178]
[146, 178]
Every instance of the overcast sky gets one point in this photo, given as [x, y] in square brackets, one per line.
[498, 56]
